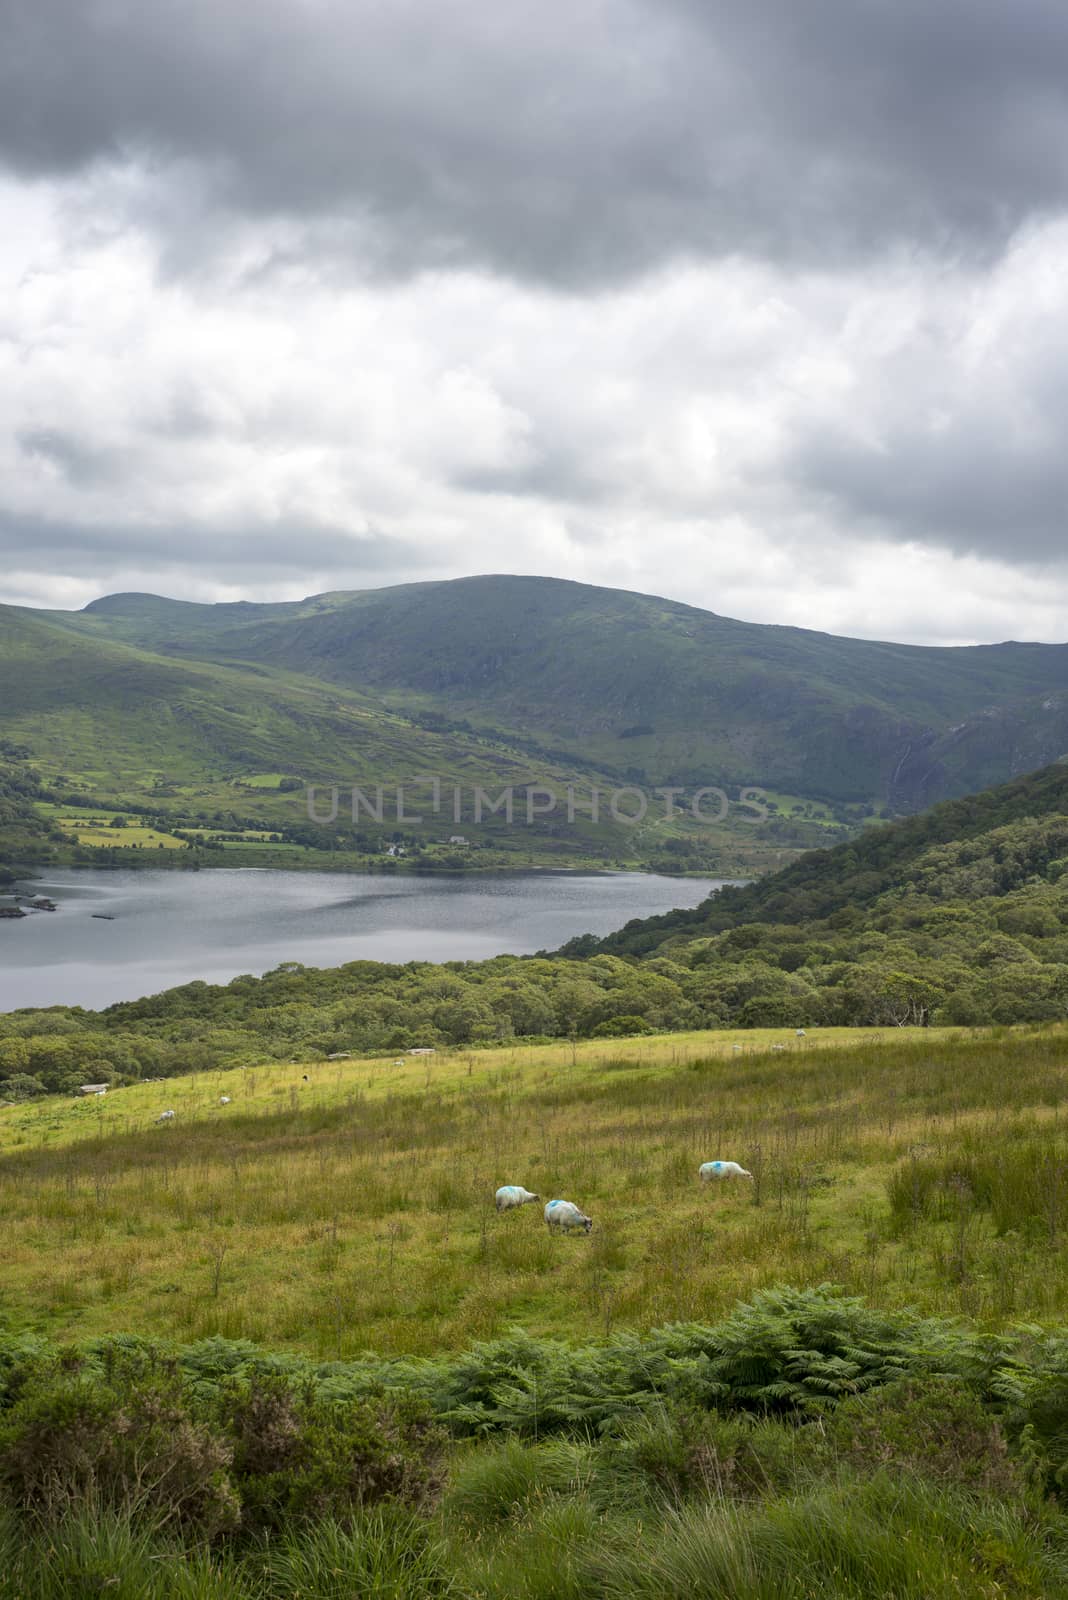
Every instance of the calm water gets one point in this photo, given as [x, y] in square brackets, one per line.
[171, 927]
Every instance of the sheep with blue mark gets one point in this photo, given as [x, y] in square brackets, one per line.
[721, 1169]
[510, 1195]
[563, 1215]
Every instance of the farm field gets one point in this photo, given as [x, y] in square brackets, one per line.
[347, 1206]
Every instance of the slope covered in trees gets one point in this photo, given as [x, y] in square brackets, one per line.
[851, 877]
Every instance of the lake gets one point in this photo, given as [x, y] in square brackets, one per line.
[172, 927]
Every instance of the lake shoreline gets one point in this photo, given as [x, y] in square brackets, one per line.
[121, 935]
[27, 872]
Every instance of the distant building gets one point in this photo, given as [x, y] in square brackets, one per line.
[457, 838]
[93, 1088]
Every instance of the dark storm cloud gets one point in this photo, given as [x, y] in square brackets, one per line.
[567, 145]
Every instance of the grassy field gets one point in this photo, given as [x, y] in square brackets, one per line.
[354, 1210]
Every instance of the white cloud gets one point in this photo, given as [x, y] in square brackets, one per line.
[781, 445]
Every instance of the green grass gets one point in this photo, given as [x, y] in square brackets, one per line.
[544, 1528]
[355, 1210]
[917, 1167]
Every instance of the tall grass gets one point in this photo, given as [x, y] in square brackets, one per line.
[356, 1211]
[855, 1542]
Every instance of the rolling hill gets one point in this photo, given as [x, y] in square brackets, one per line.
[195, 742]
[1001, 854]
[198, 714]
[645, 688]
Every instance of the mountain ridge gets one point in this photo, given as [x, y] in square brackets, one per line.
[640, 685]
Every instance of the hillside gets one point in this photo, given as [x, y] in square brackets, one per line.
[103, 730]
[848, 881]
[649, 688]
[208, 720]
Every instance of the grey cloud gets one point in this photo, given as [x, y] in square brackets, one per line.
[554, 473]
[946, 445]
[571, 149]
[80, 463]
[976, 490]
[252, 555]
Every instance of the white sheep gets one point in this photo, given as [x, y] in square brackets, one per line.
[513, 1194]
[722, 1169]
[564, 1215]
[224, 1099]
[165, 1116]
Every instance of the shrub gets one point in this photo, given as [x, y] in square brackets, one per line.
[21, 1087]
[73, 1443]
[933, 1426]
[621, 1027]
[20, 1359]
[299, 1454]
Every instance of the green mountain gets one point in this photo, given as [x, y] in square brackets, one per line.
[647, 688]
[111, 710]
[114, 747]
[204, 721]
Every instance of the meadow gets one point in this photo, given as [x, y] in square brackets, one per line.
[636, 1413]
[346, 1206]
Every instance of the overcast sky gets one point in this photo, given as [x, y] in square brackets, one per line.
[760, 306]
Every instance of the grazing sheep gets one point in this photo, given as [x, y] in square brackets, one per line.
[799, 1033]
[513, 1194]
[564, 1215]
[224, 1099]
[722, 1169]
[165, 1116]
